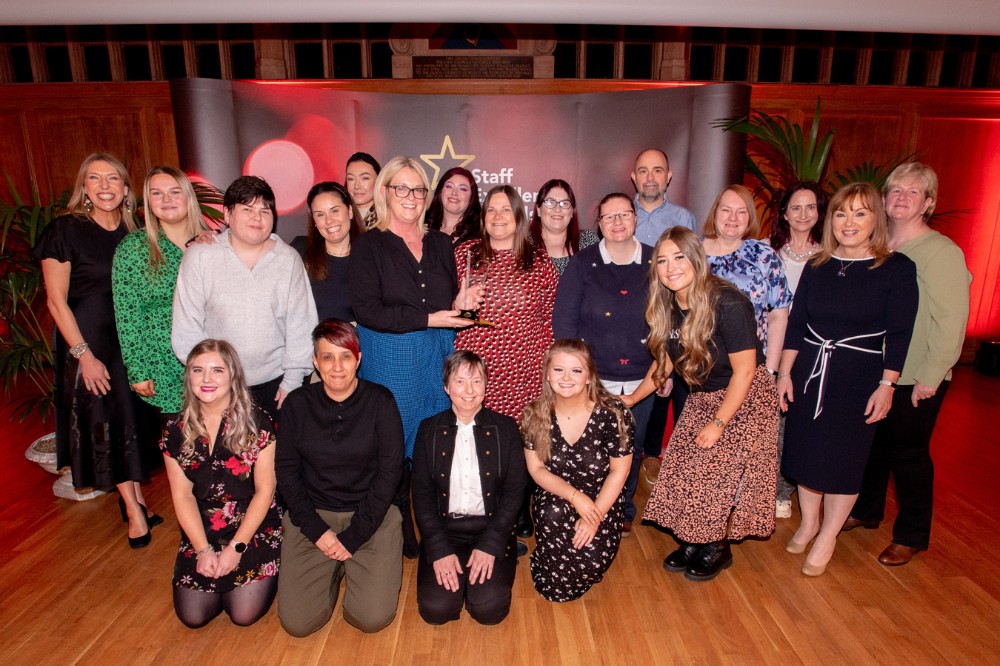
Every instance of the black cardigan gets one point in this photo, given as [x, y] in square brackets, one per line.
[502, 472]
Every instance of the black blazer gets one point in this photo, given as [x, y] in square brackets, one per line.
[502, 472]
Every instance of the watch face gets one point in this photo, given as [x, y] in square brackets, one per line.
[239, 547]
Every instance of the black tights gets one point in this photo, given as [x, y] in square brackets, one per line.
[244, 605]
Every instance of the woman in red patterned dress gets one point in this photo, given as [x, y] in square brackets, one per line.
[520, 290]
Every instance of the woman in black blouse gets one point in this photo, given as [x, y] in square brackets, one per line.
[338, 467]
[334, 223]
[403, 289]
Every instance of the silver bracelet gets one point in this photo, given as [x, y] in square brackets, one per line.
[79, 350]
[206, 549]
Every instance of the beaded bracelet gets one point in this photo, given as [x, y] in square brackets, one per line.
[79, 350]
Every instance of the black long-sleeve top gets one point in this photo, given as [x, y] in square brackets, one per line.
[502, 474]
[390, 290]
[339, 456]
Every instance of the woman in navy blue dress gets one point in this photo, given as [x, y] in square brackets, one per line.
[846, 343]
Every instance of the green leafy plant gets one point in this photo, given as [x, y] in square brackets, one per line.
[869, 172]
[780, 152]
[26, 341]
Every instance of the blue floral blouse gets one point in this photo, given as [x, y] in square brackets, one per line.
[756, 269]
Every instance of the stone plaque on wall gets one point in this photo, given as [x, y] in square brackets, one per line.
[473, 67]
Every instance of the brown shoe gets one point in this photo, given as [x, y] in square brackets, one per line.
[627, 529]
[896, 555]
[853, 522]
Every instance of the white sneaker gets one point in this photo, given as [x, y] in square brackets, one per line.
[783, 509]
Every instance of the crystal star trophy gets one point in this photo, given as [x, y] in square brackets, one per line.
[473, 277]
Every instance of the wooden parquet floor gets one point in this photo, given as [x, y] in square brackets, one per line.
[71, 591]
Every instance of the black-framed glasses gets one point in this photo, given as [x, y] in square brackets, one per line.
[625, 215]
[565, 204]
[402, 191]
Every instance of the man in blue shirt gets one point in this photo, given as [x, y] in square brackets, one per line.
[655, 213]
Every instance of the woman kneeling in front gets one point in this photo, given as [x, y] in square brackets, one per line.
[578, 445]
[219, 453]
[468, 479]
[338, 467]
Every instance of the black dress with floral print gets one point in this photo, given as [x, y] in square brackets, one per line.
[560, 571]
[223, 487]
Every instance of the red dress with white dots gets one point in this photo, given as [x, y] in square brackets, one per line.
[520, 303]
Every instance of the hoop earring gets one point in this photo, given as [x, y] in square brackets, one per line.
[88, 205]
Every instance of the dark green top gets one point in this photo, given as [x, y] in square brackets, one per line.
[144, 313]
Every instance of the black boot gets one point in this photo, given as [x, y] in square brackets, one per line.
[680, 558]
[709, 561]
[524, 528]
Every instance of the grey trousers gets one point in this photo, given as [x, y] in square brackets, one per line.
[309, 582]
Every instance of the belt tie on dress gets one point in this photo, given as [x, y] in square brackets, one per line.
[823, 354]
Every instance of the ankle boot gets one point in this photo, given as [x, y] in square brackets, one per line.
[709, 561]
[680, 558]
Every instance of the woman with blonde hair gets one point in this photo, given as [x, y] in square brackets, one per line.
[403, 286]
[97, 429]
[717, 481]
[846, 343]
[143, 278]
[219, 454]
[578, 442]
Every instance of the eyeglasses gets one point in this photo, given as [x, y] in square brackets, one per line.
[402, 191]
[624, 216]
[565, 204]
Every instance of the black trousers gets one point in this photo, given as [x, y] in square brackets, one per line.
[653, 443]
[902, 449]
[487, 602]
[264, 395]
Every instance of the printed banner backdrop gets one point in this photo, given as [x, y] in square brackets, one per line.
[294, 135]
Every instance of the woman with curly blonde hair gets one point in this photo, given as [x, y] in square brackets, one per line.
[578, 440]
[219, 454]
[717, 481]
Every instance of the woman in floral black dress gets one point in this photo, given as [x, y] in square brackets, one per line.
[578, 440]
[219, 454]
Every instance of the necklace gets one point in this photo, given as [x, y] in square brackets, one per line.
[798, 256]
[844, 266]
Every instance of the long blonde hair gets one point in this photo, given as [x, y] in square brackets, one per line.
[382, 193]
[851, 197]
[536, 420]
[195, 223]
[238, 417]
[77, 204]
[662, 312]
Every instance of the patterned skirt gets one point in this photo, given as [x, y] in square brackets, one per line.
[697, 488]
[411, 365]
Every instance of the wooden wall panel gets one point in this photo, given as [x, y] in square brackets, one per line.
[48, 129]
[15, 161]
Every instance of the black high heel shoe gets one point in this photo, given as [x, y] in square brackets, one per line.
[153, 519]
[142, 541]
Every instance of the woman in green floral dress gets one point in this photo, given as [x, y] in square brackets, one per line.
[143, 276]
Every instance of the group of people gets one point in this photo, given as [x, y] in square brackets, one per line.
[433, 355]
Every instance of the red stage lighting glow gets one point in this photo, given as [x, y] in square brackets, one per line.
[287, 169]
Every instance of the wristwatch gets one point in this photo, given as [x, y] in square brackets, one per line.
[238, 546]
[719, 423]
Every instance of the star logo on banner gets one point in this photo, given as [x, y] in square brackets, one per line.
[446, 149]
